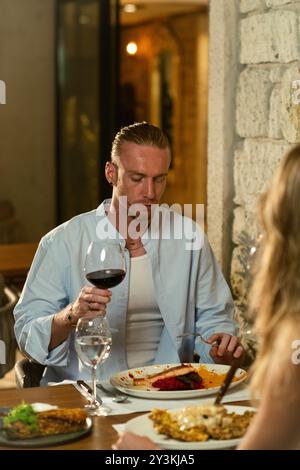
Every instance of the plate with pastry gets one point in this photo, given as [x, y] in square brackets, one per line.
[172, 381]
[197, 427]
[42, 425]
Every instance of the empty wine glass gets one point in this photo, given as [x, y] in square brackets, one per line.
[93, 343]
[105, 264]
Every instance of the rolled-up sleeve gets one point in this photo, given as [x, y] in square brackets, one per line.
[214, 308]
[45, 293]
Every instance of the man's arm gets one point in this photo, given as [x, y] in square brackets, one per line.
[214, 311]
[45, 293]
[91, 301]
[43, 322]
[61, 327]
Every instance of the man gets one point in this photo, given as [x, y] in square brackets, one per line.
[168, 289]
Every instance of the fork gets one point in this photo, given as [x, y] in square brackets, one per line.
[198, 335]
[117, 397]
[89, 393]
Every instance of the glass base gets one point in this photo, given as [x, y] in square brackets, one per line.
[94, 410]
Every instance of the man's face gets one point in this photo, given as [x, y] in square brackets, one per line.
[141, 174]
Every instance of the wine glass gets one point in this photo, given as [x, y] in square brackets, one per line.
[93, 343]
[105, 264]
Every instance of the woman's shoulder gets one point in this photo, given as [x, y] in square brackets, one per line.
[284, 364]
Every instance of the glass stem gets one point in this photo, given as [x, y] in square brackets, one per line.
[94, 369]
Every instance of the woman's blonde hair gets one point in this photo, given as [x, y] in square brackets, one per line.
[275, 296]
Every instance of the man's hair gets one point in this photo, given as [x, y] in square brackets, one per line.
[140, 133]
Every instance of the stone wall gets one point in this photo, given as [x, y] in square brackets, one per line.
[254, 61]
[267, 115]
[223, 72]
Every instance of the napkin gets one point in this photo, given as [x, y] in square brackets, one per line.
[119, 427]
[64, 382]
[38, 407]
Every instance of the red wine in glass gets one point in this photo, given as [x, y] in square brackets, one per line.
[105, 264]
[106, 278]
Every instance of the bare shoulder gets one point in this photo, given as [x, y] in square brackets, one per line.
[276, 425]
[283, 374]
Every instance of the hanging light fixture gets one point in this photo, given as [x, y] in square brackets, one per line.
[130, 8]
[131, 48]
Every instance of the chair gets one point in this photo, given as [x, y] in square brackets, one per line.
[9, 225]
[28, 373]
[8, 345]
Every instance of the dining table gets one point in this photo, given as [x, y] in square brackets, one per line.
[102, 434]
[16, 259]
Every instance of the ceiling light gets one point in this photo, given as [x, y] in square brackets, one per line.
[131, 48]
[130, 8]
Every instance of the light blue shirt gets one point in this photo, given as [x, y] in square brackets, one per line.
[190, 290]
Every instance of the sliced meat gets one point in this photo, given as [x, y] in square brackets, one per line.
[176, 371]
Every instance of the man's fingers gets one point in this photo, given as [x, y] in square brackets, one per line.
[96, 306]
[228, 350]
[215, 337]
[227, 343]
[96, 291]
[223, 345]
[90, 304]
[232, 344]
[214, 352]
[238, 352]
[92, 298]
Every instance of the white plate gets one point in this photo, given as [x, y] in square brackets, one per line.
[123, 381]
[143, 426]
[43, 441]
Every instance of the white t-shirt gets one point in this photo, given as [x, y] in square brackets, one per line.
[144, 322]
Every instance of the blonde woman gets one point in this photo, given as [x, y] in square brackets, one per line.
[276, 301]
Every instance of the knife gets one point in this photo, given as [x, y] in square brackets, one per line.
[227, 381]
[89, 392]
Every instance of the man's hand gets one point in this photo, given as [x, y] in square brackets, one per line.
[91, 301]
[226, 348]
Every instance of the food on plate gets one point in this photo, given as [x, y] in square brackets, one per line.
[181, 377]
[23, 422]
[189, 381]
[200, 423]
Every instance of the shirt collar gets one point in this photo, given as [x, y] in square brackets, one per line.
[152, 233]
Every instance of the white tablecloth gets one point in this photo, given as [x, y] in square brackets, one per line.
[133, 404]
